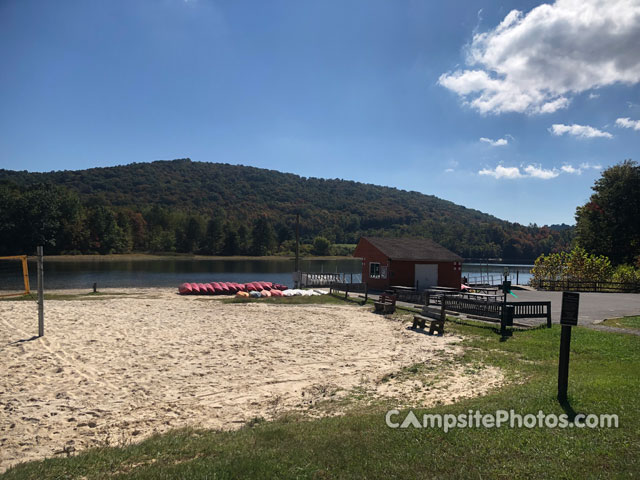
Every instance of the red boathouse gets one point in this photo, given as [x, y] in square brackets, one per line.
[410, 262]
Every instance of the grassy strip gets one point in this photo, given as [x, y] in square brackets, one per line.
[33, 297]
[603, 379]
[624, 322]
[299, 300]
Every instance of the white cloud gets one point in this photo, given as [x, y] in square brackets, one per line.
[530, 171]
[586, 166]
[535, 62]
[501, 142]
[449, 170]
[571, 169]
[583, 131]
[593, 96]
[502, 172]
[539, 172]
[628, 123]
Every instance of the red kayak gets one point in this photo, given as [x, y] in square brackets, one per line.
[195, 289]
[225, 289]
[185, 289]
[210, 289]
[250, 287]
[203, 289]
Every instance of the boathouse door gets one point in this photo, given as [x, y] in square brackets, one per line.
[426, 276]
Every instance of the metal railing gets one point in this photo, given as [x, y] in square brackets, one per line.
[588, 286]
[321, 279]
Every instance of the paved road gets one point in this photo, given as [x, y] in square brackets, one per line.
[594, 307]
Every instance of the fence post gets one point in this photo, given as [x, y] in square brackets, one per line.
[548, 314]
[366, 292]
[346, 290]
[443, 314]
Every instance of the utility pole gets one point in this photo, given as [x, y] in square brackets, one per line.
[297, 251]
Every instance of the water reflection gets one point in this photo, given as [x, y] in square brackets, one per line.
[171, 272]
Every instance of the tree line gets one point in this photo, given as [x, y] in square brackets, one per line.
[219, 209]
[607, 244]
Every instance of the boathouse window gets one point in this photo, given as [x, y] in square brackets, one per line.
[374, 270]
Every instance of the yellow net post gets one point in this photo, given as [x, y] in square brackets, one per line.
[25, 274]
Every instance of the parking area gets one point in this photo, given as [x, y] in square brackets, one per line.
[594, 307]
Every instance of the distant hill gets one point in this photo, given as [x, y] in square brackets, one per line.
[218, 208]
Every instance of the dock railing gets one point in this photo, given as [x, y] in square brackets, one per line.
[322, 279]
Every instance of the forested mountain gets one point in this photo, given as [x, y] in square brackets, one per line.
[216, 208]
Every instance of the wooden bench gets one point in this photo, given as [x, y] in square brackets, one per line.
[436, 324]
[385, 304]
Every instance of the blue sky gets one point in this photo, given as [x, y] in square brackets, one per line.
[508, 108]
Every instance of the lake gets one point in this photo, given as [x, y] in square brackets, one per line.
[172, 271]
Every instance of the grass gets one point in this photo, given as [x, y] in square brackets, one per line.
[33, 297]
[603, 379]
[624, 322]
[299, 300]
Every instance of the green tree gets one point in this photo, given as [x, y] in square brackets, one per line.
[321, 246]
[105, 235]
[263, 237]
[214, 237]
[231, 243]
[609, 224]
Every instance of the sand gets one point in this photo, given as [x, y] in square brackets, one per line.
[118, 369]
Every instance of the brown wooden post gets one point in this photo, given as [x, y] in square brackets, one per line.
[346, 290]
[443, 314]
[366, 292]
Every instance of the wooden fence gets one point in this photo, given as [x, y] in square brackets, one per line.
[493, 310]
[588, 286]
[350, 288]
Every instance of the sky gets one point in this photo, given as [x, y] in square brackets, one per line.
[511, 108]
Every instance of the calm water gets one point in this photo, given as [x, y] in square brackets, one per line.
[171, 272]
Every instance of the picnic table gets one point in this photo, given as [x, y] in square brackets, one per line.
[482, 296]
[402, 288]
[485, 289]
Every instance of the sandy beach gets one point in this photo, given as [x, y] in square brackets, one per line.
[116, 369]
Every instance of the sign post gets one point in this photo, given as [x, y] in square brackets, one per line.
[568, 319]
[506, 319]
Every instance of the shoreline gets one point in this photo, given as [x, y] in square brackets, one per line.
[133, 257]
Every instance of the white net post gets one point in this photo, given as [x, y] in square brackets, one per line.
[40, 293]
